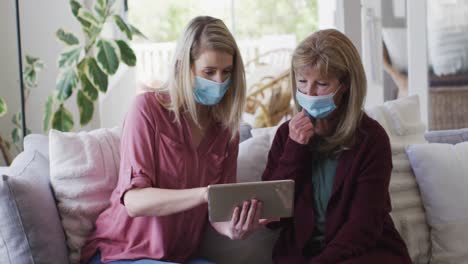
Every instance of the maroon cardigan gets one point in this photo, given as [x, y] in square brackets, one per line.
[358, 226]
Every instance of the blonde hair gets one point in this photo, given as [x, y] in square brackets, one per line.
[333, 54]
[206, 33]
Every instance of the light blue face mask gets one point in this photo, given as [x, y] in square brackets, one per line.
[207, 92]
[316, 106]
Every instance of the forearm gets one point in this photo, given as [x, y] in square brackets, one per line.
[161, 202]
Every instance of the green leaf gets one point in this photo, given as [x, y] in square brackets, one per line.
[75, 7]
[48, 112]
[88, 88]
[15, 135]
[97, 77]
[32, 67]
[3, 107]
[69, 57]
[88, 17]
[67, 37]
[91, 31]
[67, 81]
[62, 120]
[86, 107]
[123, 26]
[101, 3]
[31, 60]
[126, 53]
[107, 57]
[101, 13]
[28, 131]
[16, 119]
[30, 78]
[136, 31]
[100, 8]
[86, 25]
[39, 65]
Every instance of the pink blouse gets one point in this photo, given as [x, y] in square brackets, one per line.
[157, 152]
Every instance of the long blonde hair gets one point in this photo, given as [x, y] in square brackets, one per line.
[333, 54]
[204, 33]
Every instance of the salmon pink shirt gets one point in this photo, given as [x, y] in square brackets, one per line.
[157, 152]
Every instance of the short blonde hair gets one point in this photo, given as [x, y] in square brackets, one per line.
[206, 33]
[333, 54]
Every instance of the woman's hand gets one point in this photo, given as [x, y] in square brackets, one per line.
[301, 129]
[245, 220]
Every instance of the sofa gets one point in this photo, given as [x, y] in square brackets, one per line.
[55, 189]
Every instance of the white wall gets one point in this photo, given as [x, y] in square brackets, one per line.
[9, 85]
[115, 103]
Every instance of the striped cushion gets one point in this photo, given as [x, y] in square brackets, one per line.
[408, 211]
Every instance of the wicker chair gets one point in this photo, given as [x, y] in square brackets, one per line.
[270, 100]
[269, 88]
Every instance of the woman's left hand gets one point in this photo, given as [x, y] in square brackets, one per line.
[245, 219]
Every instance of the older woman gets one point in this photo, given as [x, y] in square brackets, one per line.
[340, 159]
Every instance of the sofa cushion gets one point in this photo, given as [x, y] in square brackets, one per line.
[30, 225]
[37, 142]
[252, 158]
[447, 136]
[244, 132]
[405, 116]
[440, 171]
[84, 170]
[407, 208]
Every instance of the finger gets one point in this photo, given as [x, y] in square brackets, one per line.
[252, 212]
[305, 120]
[304, 130]
[243, 214]
[235, 216]
[269, 220]
[306, 125]
[258, 212]
[299, 124]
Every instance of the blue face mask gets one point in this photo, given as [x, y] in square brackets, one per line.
[316, 106]
[207, 92]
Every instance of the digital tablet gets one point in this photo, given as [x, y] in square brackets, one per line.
[277, 198]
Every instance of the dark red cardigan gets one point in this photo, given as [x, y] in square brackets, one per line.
[358, 227]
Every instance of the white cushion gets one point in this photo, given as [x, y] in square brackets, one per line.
[84, 170]
[252, 158]
[440, 171]
[405, 116]
[37, 142]
[448, 36]
[401, 120]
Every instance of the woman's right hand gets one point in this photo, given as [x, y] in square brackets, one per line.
[301, 129]
[245, 219]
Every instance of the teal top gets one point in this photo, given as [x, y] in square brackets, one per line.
[323, 176]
